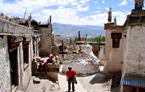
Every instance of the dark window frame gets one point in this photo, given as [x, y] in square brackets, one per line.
[114, 37]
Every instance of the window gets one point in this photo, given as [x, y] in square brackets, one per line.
[95, 51]
[115, 39]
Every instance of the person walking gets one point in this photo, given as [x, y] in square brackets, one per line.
[70, 75]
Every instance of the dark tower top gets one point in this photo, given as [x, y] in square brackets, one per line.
[115, 21]
[50, 19]
[79, 37]
[139, 4]
[70, 42]
[109, 15]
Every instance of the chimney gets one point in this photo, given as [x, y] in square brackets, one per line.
[79, 37]
[115, 21]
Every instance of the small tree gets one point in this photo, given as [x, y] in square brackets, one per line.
[103, 38]
[64, 48]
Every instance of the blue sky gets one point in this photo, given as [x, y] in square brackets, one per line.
[77, 12]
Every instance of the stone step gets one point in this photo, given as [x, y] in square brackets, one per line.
[19, 91]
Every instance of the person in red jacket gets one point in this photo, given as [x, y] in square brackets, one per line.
[45, 67]
[49, 60]
[70, 78]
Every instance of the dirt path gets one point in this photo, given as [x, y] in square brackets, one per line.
[64, 85]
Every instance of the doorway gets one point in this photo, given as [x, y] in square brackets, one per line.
[14, 68]
[12, 45]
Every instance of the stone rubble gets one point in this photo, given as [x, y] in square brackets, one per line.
[81, 58]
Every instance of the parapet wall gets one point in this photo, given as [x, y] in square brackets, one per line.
[13, 28]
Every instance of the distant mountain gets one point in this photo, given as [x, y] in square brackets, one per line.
[71, 31]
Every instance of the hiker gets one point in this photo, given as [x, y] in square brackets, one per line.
[45, 67]
[49, 60]
[70, 75]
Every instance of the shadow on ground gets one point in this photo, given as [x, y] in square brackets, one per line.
[98, 78]
[45, 77]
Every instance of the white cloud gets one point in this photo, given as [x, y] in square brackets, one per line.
[107, 8]
[80, 8]
[84, 1]
[96, 12]
[95, 2]
[99, 7]
[100, 19]
[18, 7]
[103, 1]
[124, 2]
[60, 15]
[120, 16]
[41, 12]
[96, 19]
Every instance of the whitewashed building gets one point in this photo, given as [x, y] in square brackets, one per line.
[16, 54]
[125, 52]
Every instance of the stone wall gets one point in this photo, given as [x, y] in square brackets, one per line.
[4, 67]
[45, 44]
[134, 53]
[55, 50]
[113, 56]
[81, 69]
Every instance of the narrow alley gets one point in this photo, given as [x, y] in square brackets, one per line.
[85, 84]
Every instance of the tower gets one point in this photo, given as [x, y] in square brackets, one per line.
[79, 37]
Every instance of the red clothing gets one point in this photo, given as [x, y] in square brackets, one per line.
[45, 67]
[49, 60]
[71, 73]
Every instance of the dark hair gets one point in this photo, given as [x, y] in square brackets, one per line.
[69, 68]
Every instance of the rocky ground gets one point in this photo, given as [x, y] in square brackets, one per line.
[45, 85]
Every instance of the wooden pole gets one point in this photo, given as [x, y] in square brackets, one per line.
[62, 50]
[99, 46]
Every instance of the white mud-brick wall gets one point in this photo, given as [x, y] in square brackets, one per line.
[113, 56]
[26, 72]
[134, 59]
[45, 44]
[4, 67]
[101, 55]
[81, 69]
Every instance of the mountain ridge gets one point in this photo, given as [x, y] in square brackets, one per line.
[71, 31]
